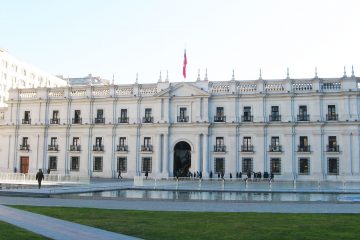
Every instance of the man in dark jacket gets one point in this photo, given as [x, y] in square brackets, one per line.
[39, 177]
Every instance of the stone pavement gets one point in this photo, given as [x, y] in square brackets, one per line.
[54, 228]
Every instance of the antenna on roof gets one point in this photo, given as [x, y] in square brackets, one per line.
[233, 75]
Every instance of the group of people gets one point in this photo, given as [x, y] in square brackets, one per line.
[255, 175]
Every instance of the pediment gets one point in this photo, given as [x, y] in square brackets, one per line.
[183, 90]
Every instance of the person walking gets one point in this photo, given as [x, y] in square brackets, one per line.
[39, 177]
[119, 174]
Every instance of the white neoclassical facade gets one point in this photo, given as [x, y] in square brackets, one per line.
[18, 74]
[293, 128]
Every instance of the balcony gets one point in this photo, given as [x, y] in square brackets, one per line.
[25, 147]
[219, 148]
[303, 117]
[75, 148]
[77, 120]
[247, 148]
[148, 119]
[303, 148]
[275, 118]
[183, 119]
[219, 118]
[247, 118]
[99, 120]
[275, 148]
[146, 148]
[123, 120]
[122, 148]
[332, 148]
[332, 117]
[26, 121]
[98, 148]
[54, 120]
[53, 148]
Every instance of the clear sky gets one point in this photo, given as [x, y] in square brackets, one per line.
[123, 37]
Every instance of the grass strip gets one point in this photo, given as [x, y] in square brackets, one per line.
[210, 225]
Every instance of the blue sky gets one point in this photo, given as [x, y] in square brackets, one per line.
[121, 37]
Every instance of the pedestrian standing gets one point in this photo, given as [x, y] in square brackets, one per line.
[119, 174]
[39, 177]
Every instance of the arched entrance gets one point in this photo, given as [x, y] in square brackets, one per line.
[182, 159]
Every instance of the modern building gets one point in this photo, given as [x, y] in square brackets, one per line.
[87, 80]
[17, 74]
[294, 128]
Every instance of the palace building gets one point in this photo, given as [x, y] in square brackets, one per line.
[302, 129]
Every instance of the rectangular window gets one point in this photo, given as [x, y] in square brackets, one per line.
[302, 110]
[182, 112]
[122, 141]
[333, 166]
[219, 111]
[122, 164]
[247, 165]
[53, 163]
[147, 112]
[331, 115]
[247, 114]
[76, 141]
[77, 114]
[220, 141]
[147, 141]
[27, 115]
[53, 141]
[304, 166]
[275, 116]
[247, 145]
[303, 141]
[77, 117]
[98, 141]
[25, 141]
[146, 164]
[275, 145]
[74, 163]
[99, 113]
[219, 165]
[333, 146]
[123, 113]
[98, 164]
[275, 165]
[55, 114]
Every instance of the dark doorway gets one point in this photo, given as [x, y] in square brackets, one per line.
[182, 159]
[24, 164]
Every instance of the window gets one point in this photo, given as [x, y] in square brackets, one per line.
[247, 165]
[146, 164]
[220, 146]
[333, 166]
[74, 163]
[304, 166]
[98, 141]
[123, 116]
[220, 116]
[98, 164]
[99, 116]
[2, 115]
[148, 118]
[331, 115]
[219, 165]
[247, 146]
[122, 164]
[275, 116]
[303, 116]
[55, 117]
[122, 144]
[25, 145]
[304, 144]
[182, 115]
[53, 141]
[247, 114]
[75, 144]
[27, 119]
[53, 163]
[332, 147]
[275, 144]
[77, 117]
[147, 144]
[275, 165]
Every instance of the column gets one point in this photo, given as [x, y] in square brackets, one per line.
[166, 156]
[197, 153]
[205, 155]
[158, 163]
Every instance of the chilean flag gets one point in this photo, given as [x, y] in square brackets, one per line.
[184, 66]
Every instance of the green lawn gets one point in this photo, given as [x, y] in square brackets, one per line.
[210, 225]
[11, 232]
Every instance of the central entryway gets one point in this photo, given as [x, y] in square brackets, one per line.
[182, 159]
